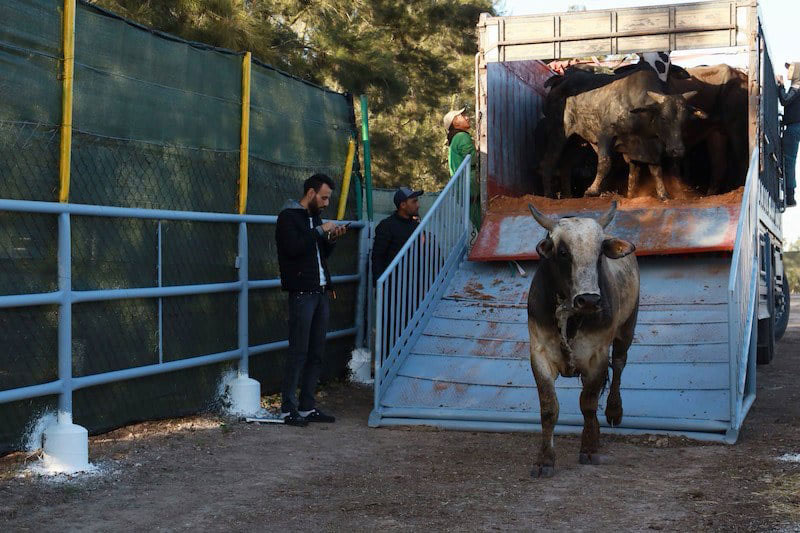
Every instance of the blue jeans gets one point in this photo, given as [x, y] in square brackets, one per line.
[308, 323]
[791, 138]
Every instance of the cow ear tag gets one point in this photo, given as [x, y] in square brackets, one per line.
[617, 248]
[545, 248]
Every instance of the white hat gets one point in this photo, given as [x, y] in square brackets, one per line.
[793, 72]
[448, 118]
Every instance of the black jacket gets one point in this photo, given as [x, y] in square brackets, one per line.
[390, 236]
[297, 249]
[791, 104]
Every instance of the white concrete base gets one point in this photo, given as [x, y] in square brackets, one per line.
[360, 366]
[66, 448]
[244, 396]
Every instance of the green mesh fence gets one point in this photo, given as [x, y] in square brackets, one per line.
[156, 125]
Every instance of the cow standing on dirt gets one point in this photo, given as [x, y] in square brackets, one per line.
[583, 298]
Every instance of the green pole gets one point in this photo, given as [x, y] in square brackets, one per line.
[367, 158]
[357, 190]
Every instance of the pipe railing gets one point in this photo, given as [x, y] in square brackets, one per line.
[65, 297]
[407, 286]
[743, 290]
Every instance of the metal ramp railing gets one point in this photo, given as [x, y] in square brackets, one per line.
[742, 300]
[417, 277]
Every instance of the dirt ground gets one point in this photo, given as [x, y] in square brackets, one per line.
[208, 473]
[519, 204]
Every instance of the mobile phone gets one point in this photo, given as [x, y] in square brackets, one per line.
[347, 225]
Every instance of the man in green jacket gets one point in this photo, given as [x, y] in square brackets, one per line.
[459, 145]
[459, 141]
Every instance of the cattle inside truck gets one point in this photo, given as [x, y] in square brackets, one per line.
[712, 293]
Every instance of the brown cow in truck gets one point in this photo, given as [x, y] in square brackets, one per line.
[721, 92]
[632, 115]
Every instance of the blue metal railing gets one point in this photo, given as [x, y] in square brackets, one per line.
[65, 297]
[409, 285]
[743, 296]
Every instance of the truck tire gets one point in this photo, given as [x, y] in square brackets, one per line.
[766, 341]
[766, 329]
[782, 311]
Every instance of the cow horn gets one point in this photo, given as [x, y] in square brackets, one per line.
[544, 221]
[608, 216]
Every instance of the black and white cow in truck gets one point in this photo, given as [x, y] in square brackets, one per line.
[583, 298]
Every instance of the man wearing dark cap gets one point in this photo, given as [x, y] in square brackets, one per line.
[393, 231]
[390, 235]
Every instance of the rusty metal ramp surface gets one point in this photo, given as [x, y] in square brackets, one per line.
[469, 366]
[690, 225]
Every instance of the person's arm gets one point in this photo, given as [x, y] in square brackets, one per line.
[790, 96]
[380, 249]
[781, 92]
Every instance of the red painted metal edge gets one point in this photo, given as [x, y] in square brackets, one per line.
[675, 230]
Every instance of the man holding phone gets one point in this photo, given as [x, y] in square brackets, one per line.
[304, 244]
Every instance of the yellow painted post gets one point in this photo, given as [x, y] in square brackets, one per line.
[68, 42]
[348, 169]
[244, 147]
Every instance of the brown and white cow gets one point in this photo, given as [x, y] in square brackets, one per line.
[583, 298]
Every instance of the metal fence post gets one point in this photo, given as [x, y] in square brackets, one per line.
[245, 393]
[159, 267]
[368, 279]
[244, 294]
[363, 293]
[65, 318]
[66, 445]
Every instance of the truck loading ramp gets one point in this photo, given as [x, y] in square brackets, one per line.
[465, 362]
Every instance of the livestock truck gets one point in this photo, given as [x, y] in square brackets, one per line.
[452, 345]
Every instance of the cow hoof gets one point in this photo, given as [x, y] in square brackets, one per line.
[542, 471]
[614, 417]
[663, 197]
[592, 459]
[591, 192]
